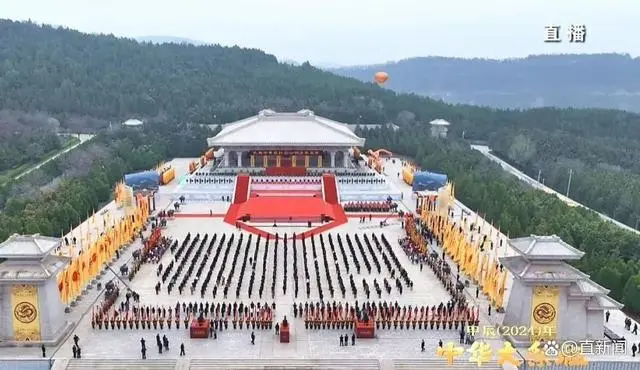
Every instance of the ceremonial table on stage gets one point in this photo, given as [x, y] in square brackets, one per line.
[199, 329]
[365, 329]
[284, 333]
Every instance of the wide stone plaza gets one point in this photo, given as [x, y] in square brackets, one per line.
[308, 347]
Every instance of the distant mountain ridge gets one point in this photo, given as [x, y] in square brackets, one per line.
[170, 40]
[570, 80]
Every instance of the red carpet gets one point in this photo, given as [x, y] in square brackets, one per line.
[283, 209]
[232, 219]
[339, 219]
[330, 188]
[242, 189]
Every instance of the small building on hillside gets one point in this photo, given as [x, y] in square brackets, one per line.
[132, 123]
[439, 128]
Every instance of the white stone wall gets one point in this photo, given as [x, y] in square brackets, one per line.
[6, 324]
[518, 308]
[595, 318]
[52, 317]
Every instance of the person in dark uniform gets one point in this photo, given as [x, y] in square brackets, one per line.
[182, 353]
[422, 347]
[44, 351]
[253, 338]
[353, 339]
[159, 343]
[341, 341]
[75, 351]
[165, 342]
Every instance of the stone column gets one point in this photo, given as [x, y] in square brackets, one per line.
[226, 158]
[333, 159]
[239, 159]
[346, 159]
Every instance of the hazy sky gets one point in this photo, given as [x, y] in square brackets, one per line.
[355, 31]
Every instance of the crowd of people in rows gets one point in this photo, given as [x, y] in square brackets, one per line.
[361, 180]
[287, 180]
[209, 178]
[369, 259]
[450, 315]
[370, 207]
[196, 259]
[359, 174]
[130, 315]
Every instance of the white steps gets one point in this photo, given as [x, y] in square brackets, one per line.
[441, 364]
[112, 364]
[345, 364]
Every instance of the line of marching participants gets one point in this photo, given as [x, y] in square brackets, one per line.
[132, 315]
[451, 315]
[473, 253]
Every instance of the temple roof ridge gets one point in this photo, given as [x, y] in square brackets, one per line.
[28, 246]
[550, 247]
[541, 260]
[301, 128]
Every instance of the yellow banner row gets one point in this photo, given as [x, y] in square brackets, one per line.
[88, 260]
[478, 259]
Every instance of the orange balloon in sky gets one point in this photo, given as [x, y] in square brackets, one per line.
[381, 77]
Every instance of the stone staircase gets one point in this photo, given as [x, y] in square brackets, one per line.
[114, 364]
[345, 364]
[441, 364]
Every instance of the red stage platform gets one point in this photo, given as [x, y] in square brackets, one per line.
[365, 330]
[284, 209]
[199, 329]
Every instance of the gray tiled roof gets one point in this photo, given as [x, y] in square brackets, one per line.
[545, 247]
[23, 270]
[28, 246]
[287, 129]
[560, 272]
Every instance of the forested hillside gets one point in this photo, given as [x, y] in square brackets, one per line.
[612, 254]
[26, 138]
[605, 162]
[535, 81]
[62, 193]
[103, 79]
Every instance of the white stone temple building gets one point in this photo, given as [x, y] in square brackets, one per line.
[272, 139]
[577, 307]
[30, 305]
